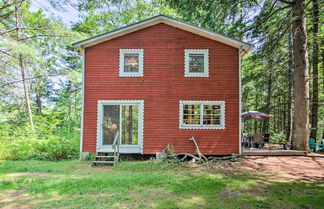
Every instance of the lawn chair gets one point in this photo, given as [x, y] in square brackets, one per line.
[266, 139]
[245, 140]
[314, 146]
[258, 140]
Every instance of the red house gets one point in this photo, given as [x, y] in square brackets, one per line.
[159, 82]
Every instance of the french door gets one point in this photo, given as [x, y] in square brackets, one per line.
[123, 117]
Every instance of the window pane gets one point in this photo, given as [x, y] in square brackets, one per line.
[211, 109]
[110, 124]
[191, 114]
[196, 63]
[211, 115]
[131, 62]
[129, 124]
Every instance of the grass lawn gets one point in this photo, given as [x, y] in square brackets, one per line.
[148, 184]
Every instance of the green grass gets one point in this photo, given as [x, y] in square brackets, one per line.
[149, 184]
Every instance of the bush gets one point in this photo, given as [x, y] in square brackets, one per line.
[279, 137]
[19, 143]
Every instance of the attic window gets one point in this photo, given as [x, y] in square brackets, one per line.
[202, 115]
[196, 63]
[131, 62]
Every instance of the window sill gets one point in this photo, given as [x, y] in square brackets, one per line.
[201, 127]
[130, 75]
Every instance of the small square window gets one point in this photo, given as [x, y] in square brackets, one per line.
[196, 63]
[131, 63]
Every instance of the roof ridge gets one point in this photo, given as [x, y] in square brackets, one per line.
[166, 20]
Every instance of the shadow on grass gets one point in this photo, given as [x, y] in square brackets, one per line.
[150, 184]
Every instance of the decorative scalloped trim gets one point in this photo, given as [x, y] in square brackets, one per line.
[98, 125]
[202, 102]
[141, 62]
[118, 102]
[206, 62]
[142, 108]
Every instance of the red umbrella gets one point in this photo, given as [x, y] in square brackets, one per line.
[254, 115]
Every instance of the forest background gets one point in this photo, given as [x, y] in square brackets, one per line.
[40, 70]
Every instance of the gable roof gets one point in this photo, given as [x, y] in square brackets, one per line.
[166, 20]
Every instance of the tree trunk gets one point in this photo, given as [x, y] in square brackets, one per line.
[255, 123]
[23, 71]
[301, 77]
[290, 88]
[38, 104]
[315, 71]
[265, 128]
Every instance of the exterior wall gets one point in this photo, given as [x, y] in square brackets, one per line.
[163, 86]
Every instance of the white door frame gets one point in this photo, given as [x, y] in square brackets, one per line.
[123, 148]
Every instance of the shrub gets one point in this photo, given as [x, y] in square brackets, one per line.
[19, 143]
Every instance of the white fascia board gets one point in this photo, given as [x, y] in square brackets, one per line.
[114, 34]
[82, 99]
[240, 100]
[166, 20]
[205, 33]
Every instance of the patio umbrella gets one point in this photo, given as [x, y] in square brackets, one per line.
[254, 115]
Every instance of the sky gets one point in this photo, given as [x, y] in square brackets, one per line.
[67, 14]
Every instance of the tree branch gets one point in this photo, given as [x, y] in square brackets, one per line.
[22, 28]
[268, 16]
[8, 5]
[31, 78]
[286, 2]
[41, 35]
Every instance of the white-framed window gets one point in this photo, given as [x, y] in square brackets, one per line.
[202, 115]
[196, 63]
[131, 62]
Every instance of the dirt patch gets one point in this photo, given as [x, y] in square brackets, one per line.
[229, 193]
[38, 174]
[16, 199]
[301, 168]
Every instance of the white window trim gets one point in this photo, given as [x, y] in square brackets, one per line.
[190, 102]
[140, 64]
[123, 148]
[206, 62]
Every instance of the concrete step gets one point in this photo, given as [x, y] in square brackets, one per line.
[105, 154]
[104, 157]
[103, 162]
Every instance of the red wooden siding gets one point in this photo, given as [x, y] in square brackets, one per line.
[163, 86]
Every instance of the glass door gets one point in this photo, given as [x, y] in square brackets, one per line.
[110, 125]
[123, 118]
[129, 124]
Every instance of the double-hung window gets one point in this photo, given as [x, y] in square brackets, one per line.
[202, 115]
[196, 63]
[131, 62]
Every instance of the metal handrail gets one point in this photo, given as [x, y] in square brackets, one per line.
[115, 145]
[115, 140]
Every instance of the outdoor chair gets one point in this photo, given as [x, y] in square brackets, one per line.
[258, 140]
[266, 138]
[322, 142]
[314, 146]
[245, 140]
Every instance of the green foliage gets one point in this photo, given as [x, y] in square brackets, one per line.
[52, 140]
[117, 13]
[278, 137]
[22, 146]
